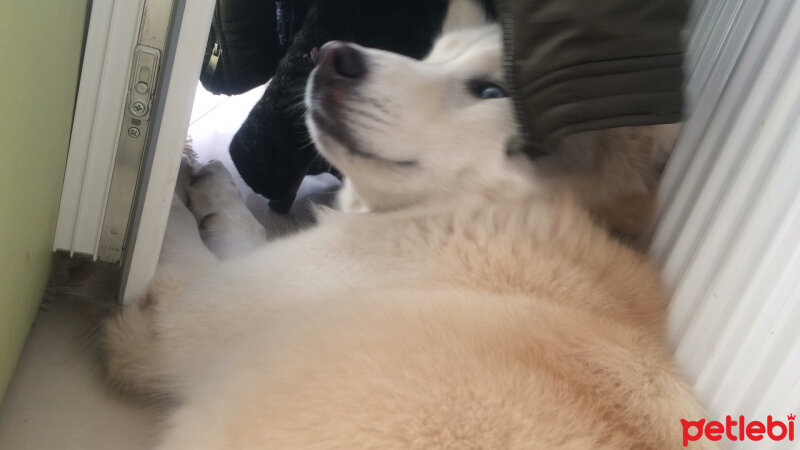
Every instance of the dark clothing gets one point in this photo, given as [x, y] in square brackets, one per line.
[578, 65]
[573, 65]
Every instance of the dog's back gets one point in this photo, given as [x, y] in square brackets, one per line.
[524, 326]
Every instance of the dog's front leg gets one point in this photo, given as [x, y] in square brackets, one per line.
[226, 225]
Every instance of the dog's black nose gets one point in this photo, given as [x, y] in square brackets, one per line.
[342, 59]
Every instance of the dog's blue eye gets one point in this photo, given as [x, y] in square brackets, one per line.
[486, 90]
[492, 92]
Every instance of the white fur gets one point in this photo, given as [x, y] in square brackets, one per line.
[454, 306]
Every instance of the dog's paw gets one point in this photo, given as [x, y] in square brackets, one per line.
[188, 165]
[226, 226]
[211, 190]
[188, 150]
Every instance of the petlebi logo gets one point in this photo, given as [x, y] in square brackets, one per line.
[739, 429]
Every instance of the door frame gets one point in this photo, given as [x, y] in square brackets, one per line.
[189, 35]
[116, 189]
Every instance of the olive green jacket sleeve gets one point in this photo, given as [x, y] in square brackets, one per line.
[579, 65]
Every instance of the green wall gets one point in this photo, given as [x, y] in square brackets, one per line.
[41, 49]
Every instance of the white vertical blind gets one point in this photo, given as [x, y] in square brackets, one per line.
[728, 236]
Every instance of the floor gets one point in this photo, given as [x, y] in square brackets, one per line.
[57, 399]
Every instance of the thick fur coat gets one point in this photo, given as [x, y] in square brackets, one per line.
[458, 300]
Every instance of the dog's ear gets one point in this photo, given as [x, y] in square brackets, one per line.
[463, 14]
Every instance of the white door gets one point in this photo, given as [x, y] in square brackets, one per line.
[141, 65]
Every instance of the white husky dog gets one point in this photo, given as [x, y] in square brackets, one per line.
[453, 303]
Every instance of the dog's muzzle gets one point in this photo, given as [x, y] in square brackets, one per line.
[341, 67]
[341, 62]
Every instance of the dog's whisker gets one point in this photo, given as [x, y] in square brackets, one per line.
[308, 142]
[296, 105]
